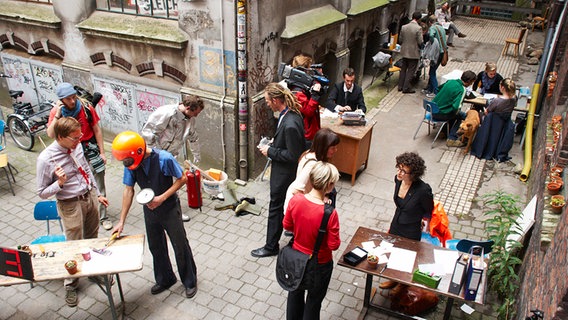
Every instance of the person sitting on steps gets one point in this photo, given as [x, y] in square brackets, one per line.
[444, 15]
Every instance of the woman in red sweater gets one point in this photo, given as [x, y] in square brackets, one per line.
[303, 217]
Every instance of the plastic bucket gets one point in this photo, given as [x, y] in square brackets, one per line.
[215, 187]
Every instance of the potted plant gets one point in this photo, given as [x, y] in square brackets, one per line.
[557, 202]
[71, 266]
[557, 169]
[553, 187]
[373, 260]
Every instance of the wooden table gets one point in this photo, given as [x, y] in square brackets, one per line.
[353, 148]
[127, 256]
[479, 103]
[424, 255]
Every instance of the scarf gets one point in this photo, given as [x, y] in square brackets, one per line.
[486, 82]
[71, 113]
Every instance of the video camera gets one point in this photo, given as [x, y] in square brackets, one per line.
[303, 78]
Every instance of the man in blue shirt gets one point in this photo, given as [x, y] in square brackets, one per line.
[158, 170]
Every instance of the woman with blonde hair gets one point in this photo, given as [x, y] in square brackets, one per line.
[506, 101]
[496, 134]
[303, 217]
[488, 80]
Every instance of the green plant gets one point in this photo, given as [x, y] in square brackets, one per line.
[557, 201]
[502, 213]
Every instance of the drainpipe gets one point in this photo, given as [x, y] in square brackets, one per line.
[242, 87]
[222, 103]
[551, 38]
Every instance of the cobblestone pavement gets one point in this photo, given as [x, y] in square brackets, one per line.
[234, 285]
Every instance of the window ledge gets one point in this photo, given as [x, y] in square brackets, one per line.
[29, 13]
[158, 32]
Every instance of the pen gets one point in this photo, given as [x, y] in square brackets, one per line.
[383, 269]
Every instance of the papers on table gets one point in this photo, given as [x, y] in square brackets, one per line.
[401, 259]
[379, 251]
[446, 259]
[127, 256]
[490, 96]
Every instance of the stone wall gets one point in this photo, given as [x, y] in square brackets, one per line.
[543, 273]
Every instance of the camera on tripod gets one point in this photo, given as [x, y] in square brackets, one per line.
[303, 78]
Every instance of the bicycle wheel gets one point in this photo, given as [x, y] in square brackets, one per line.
[21, 133]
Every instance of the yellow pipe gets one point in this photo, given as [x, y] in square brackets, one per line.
[529, 133]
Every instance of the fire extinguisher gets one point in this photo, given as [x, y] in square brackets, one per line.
[194, 198]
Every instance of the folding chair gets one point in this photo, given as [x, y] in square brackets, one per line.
[516, 41]
[3, 142]
[47, 210]
[430, 109]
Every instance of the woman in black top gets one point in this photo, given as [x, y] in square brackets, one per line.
[413, 199]
[488, 81]
[412, 196]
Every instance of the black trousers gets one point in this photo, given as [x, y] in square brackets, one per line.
[158, 223]
[300, 306]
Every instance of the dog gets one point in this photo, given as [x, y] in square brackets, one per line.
[468, 128]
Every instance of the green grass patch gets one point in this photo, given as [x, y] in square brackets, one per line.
[378, 90]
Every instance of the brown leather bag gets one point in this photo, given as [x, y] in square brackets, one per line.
[413, 300]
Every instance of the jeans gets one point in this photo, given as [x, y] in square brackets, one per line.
[432, 79]
[308, 307]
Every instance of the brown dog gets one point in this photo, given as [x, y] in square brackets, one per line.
[468, 128]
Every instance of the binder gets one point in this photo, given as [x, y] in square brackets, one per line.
[474, 272]
[458, 276]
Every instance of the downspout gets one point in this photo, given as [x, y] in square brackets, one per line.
[242, 87]
[222, 103]
[551, 37]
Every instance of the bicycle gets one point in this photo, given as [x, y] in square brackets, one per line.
[27, 120]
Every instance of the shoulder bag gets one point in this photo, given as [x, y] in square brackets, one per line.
[296, 270]
[443, 44]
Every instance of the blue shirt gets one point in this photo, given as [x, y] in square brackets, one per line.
[168, 166]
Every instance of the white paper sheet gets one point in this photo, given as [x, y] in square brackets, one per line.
[402, 259]
[432, 268]
[127, 257]
[447, 259]
[368, 245]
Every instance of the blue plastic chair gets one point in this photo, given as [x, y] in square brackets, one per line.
[430, 109]
[426, 237]
[463, 245]
[2, 135]
[47, 210]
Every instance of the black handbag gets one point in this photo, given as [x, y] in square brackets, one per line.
[296, 270]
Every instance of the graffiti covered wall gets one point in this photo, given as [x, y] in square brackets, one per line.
[126, 106]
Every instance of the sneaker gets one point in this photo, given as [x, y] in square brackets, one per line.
[106, 224]
[185, 217]
[425, 91]
[430, 95]
[71, 297]
[461, 35]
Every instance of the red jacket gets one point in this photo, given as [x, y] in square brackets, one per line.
[310, 112]
[303, 217]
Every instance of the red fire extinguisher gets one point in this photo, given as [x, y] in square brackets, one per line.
[194, 198]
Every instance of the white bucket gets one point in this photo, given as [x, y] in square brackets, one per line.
[215, 187]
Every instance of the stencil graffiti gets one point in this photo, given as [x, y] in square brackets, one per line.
[211, 70]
